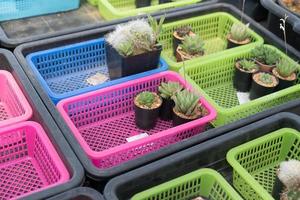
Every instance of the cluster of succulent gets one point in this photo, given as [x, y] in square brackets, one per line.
[266, 55]
[285, 67]
[186, 102]
[146, 99]
[289, 175]
[183, 30]
[248, 65]
[169, 89]
[239, 32]
[135, 37]
[192, 45]
[266, 78]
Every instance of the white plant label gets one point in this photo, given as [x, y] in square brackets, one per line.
[97, 79]
[137, 137]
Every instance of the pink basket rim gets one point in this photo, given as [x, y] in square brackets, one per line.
[64, 174]
[96, 155]
[21, 98]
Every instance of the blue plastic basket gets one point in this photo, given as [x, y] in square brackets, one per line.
[63, 71]
[16, 9]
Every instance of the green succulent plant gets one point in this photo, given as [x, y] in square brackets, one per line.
[192, 45]
[239, 32]
[146, 99]
[248, 65]
[186, 103]
[126, 48]
[183, 30]
[265, 54]
[266, 78]
[169, 89]
[285, 67]
[156, 26]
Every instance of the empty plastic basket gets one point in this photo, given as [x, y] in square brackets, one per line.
[15, 9]
[212, 28]
[63, 71]
[214, 80]
[13, 104]
[255, 163]
[204, 182]
[28, 161]
[114, 9]
[103, 120]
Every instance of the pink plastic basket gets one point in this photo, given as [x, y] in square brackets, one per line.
[13, 104]
[102, 121]
[28, 161]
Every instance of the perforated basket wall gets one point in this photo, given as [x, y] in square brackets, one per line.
[102, 121]
[212, 28]
[255, 163]
[15, 9]
[205, 182]
[28, 161]
[214, 80]
[13, 104]
[63, 71]
[114, 9]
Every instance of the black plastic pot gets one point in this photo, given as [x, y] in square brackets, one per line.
[164, 1]
[103, 174]
[257, 90]
[283, 84]
[242, 80]
[231, 44]
[142, 3]
[42, 116]
[177, 120]
[119, 66]
[277, 189]
[166, 110]
[146, 118]
[277, 12]
[209, 154]
[80, 193]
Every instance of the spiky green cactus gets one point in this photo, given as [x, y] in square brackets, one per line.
[248, 65]
[146, 99]
[169, 89]
[192, 45]
[265, 54]
[266, 78]
[186, 103]
[285, 67]
[239, 32]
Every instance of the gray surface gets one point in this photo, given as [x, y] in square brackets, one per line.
[85, 15]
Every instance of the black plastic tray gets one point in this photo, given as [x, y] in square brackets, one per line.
[97, 174]
[80, 193]
[41, 115]
[16, 32]
[210, 154]
[276, 12]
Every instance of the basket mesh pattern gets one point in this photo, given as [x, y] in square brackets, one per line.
[212, 28]
[104, 120]
[261, 158]
[204, 182]
[215, 80]
[25, 163]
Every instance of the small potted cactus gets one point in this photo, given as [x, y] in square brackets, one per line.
[263, 84]
[244, 69]
[133, 48]
[187, 107]
[285, 72]
[191, 47]
[142, 3]
[265, 57]
[146, 107]
[287, 182]
[179, 34]
[239, 35]
[167, 91]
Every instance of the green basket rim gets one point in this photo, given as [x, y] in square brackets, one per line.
[243, 172]
[190, 176]
[263, 99]
[114, 13]
[176, 66]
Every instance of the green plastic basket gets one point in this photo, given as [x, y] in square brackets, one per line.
[255, 163]
[205, 182]
[214, 80]
[212, 28]
[115, 9]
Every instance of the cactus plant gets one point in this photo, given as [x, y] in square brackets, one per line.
[169, 89]
[265, 55]
[247, 65]
[285, 67]
[239, 32]
[186, 103]
[146, 99]
[266, 78]
[192, 45]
